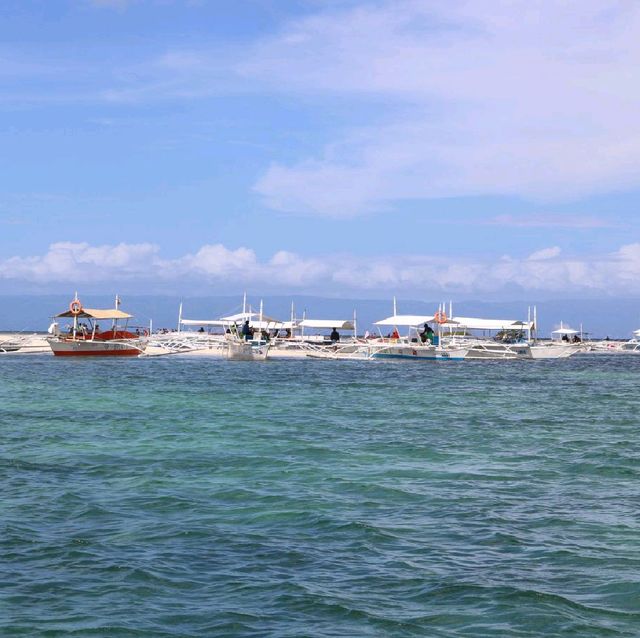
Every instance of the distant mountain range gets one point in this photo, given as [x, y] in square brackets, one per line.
[600, 318]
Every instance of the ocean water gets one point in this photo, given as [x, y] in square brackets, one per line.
[193, 497]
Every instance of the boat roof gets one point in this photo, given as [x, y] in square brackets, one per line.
[241, 316]
[474, 323]
[405, 320]
[205, 322]
[636, 333]
[342, 324]
[564, 331]
[244, 316]
[267, 323]
[96, 313]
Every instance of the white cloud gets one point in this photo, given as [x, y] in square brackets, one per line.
[545, 253]
[215, 266]
[481, 97]
[67, 261]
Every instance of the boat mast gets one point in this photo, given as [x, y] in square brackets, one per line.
[114, 323]
[261, 319]
[180, 318]
[75, 318]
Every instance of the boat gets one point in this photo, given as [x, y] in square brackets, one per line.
[185, 343]
[425, 345]
[88, 339]
[299, 343]
[564, 343]
[503, 339]
[633, 345]
[229, 342]
[414, 345]
[545, 350]
[21, 343]
[245, 338]
[238, 349]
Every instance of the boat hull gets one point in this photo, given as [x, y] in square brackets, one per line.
[499, 351]
[420, 353]
[74, 348]
[554, 351]
[246, 351]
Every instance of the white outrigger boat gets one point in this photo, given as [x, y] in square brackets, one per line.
[87, 339]
[246, 339]
[507, 337]
[564, 343]
[426, 345]
[412, 346]
[633, 345]
[229, 343]
[299, 343]
[21, 343]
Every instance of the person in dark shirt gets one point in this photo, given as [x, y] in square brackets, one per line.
[246, 331]
[335, 335]
[426, 334]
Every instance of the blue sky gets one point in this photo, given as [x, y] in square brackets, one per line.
[468, 148]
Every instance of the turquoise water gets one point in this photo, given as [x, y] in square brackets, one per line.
[194, 497]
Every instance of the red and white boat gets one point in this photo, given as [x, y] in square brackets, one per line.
[84, 336]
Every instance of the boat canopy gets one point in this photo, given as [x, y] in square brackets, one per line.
[243, 316]
[328, 324]
[564, 331]
[636, 333]
[205, 322]
[473, 323]
[405, 320]
[95, 313]
[267, 323]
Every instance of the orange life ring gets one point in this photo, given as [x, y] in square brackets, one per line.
[75, 307]
[440, 317]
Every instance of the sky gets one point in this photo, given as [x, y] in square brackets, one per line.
[469, 148]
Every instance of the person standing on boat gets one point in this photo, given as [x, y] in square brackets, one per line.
[335, 335]
[427, 334]
[246, 331]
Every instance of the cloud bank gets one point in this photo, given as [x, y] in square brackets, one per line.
[216, 267]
